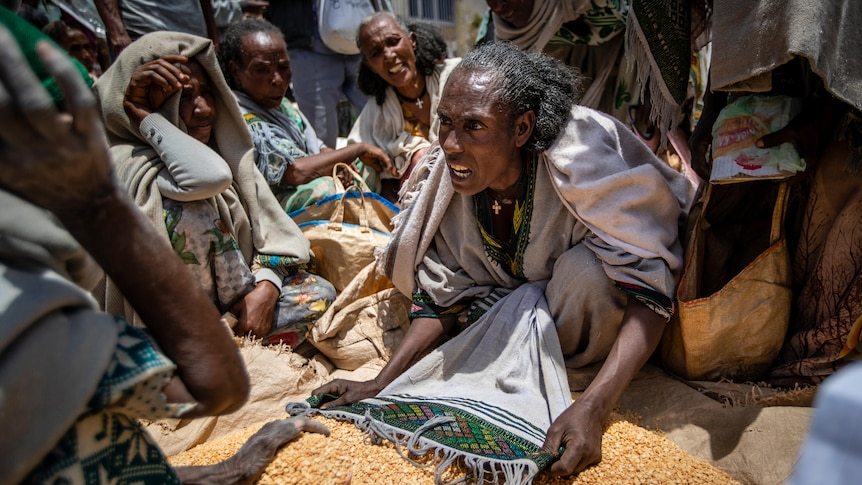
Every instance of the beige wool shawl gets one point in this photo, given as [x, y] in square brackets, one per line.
[629, 200]
[383, 125]
[248, 207]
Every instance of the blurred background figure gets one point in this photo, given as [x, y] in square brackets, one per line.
[138, 17]
[322, 77]
[76, 43]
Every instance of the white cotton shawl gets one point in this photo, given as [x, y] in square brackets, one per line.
[547, 18]
[383, 125]
[606, 177]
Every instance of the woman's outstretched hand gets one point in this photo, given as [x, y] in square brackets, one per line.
[348, 392]
[152, 83]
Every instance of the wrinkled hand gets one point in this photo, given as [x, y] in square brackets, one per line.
[58, 160]
[378, 159]
[346, 177]
[152, 83]
[810, 131]
[249, 463]
[255, 311]
[580, 431]
[348, 392]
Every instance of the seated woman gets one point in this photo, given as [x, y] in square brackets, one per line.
[297, 165]
[537, 189]
[180, 146]
[403, 68]
[75, 42]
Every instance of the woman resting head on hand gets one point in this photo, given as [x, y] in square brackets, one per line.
[296, 164]
[403, 69]
[182, 150]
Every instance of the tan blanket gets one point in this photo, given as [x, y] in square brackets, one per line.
[248, 207]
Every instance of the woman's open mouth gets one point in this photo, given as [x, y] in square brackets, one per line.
[460, 171]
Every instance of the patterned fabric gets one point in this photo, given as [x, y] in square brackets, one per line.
[464, 403]
[653, 300]
[458, 429]
[603, 21]
[509, 254]
[424, 306]
[211, 253]
[304, 298]
[658, 39]
[209, 250]
[106, 444]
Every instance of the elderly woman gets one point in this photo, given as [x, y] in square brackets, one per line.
[182, 150]
[75, 380]
[528, 189]
[403, 68]
[297, 165]
[76, 43]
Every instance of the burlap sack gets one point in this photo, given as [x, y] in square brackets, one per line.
[736, 332]
[345, 228]
[366, 321]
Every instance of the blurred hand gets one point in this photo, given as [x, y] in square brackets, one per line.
[152, 83]
[58, 160]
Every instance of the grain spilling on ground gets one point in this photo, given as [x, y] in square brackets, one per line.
[630, 455]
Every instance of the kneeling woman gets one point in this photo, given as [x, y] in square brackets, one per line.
[180, 146]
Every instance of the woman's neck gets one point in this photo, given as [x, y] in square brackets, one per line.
[413, 90]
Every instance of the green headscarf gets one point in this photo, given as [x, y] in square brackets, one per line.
[27, 36]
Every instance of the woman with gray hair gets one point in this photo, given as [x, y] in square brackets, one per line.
[531, 206]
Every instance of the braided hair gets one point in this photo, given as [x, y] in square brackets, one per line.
[528, 82]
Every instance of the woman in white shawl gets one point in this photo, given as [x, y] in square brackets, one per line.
[403, 69]
[181, 147]
[526, 187]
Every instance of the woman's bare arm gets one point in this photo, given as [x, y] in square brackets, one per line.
[59, 160]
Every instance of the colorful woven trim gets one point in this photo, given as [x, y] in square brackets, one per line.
[492, 453]
[655, 301]
[424, 306]
[284, 264]
[509, 254]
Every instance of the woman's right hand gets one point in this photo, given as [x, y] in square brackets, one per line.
[348, 392]
[151, 84]
[377, 159]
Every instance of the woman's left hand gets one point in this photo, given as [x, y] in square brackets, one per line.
[579, 429]
[255, 311]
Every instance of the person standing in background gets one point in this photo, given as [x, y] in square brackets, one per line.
[127, 20]
[321, 76]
